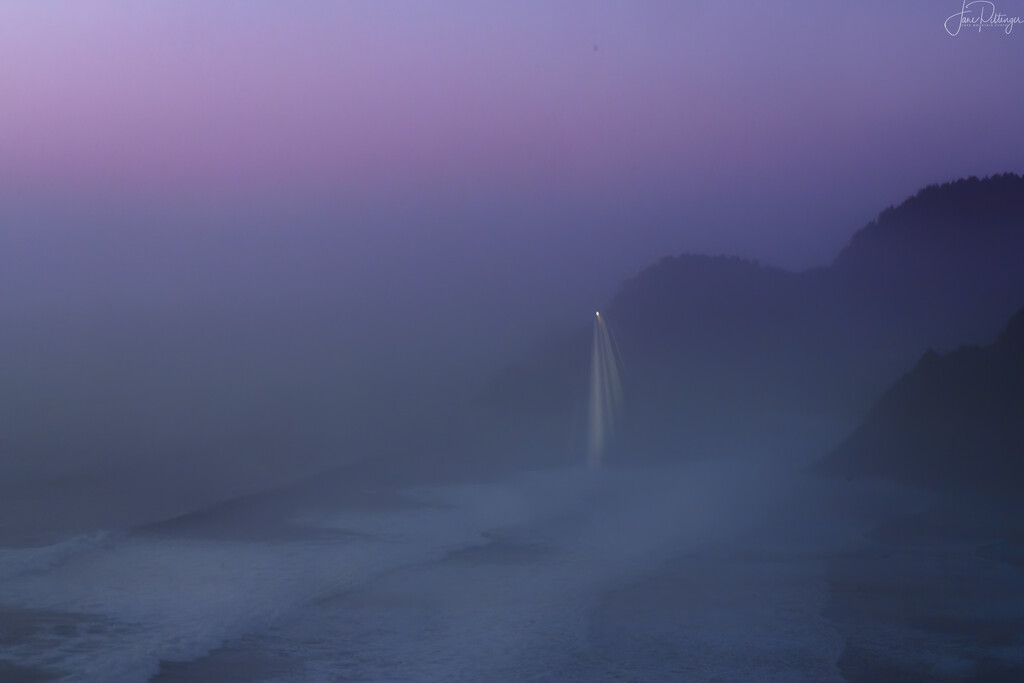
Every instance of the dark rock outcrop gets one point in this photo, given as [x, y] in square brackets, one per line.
[955, 422]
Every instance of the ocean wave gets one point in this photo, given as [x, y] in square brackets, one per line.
[147, 598]
[15, 562]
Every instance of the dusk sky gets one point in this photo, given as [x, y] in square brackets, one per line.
[591, 138]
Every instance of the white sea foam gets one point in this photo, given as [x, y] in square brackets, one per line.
[152, 598]
[149, 598]
[26, 560]
[416, 617]
[488, 617]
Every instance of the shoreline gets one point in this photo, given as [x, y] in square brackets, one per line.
[931, 601]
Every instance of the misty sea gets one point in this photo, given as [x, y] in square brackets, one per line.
[707, 571]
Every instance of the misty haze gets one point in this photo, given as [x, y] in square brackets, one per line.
[548, 341]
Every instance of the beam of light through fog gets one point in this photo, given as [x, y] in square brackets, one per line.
[605, 392]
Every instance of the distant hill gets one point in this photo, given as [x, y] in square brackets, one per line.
[716, 346]
[969, 222]
[945, 266]
[954, 422]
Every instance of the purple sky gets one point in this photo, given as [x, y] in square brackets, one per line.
[617, 132]
[243, 208]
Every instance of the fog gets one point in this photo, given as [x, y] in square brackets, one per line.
[208, 323]
[272, 446]
[269, 438]
[301, 378]
[199, 350]
[552, 573]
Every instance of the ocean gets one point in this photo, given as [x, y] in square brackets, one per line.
[713, 570]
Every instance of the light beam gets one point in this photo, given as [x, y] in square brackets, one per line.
[605, 392]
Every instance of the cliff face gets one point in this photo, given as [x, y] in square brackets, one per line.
[954, 422]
